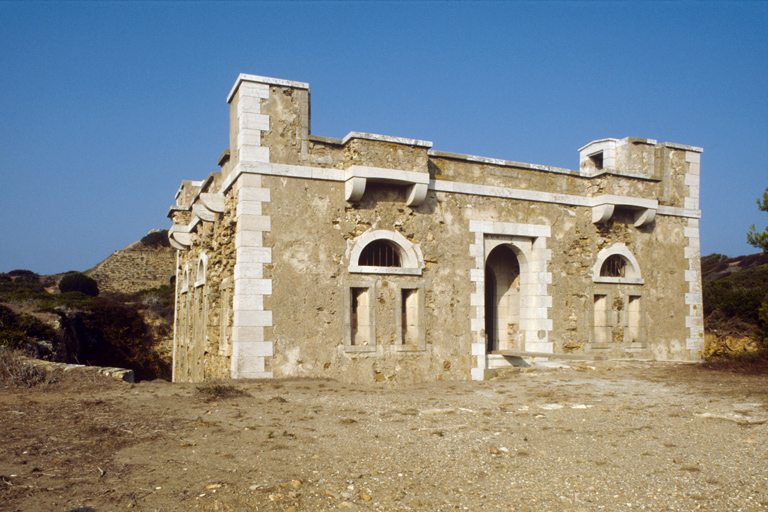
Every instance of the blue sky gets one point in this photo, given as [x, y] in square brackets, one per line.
[106, 107]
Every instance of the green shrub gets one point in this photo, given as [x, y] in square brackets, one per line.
[18, 330]
[24, 276]
[79, 282]
[156, 238]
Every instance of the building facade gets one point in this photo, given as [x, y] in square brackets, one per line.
[374, 258]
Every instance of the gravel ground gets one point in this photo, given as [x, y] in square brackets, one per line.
[589, 436]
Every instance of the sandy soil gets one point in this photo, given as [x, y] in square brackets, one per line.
[598, 436]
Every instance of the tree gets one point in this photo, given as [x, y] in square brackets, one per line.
[759, 240]
[79, 282]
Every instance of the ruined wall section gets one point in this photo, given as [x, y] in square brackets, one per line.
[202, 346]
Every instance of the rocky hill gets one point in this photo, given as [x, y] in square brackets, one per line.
[137, 267]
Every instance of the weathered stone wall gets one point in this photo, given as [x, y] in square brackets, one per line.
[497, 259]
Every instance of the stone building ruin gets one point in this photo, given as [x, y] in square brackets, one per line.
[373, 258]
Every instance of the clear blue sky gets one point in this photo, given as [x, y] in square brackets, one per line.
[105, 107]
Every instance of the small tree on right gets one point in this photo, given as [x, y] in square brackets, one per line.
[759, 240]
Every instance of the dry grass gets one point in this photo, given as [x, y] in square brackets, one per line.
[213, 391]
[17, 371]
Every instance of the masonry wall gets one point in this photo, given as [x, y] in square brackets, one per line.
[280, 230]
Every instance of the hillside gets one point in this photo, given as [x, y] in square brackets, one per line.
[129, 323]
[735, 302]
[137, 267]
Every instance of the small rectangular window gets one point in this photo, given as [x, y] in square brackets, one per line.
[359, 316]
[410, 316]
[410, 320]
[602, 320]
[597, 160]
[360, 333]
[634, 319]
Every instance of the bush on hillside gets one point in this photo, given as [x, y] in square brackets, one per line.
[24, 276]
[156, 238]
[18, 330]
[79, 282]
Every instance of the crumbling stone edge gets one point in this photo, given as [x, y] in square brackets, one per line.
[114, 373]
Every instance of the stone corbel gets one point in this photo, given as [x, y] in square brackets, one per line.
[180, 235]
[204, 213]
[643, 217]
[354, 188]
[602, 213]
[213, 202]
[417, 183]
[416, 194]
[603, 208]
[176, 245]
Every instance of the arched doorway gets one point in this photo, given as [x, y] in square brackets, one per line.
[502, 299]
[491, 316]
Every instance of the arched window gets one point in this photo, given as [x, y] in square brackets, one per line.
[384, 252]
[380, 253]
[614, 266]
[202, 265]
[185, 280]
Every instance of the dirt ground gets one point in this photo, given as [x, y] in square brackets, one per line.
[592, 436]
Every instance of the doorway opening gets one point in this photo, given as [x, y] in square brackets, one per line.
[502, 299]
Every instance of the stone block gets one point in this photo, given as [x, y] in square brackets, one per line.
[248, 137]
[248, 303]
[248, 208]
[691, 252]
[253, 286]
[248, 239]
[248, 180]
[246, 333]
[249, 105]
[250, 121]
[254, 89]
[249, 270]
[253, 193]
[250, 318]
[252, 153]
[253, 349]
[478, 349]
[253, 223]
